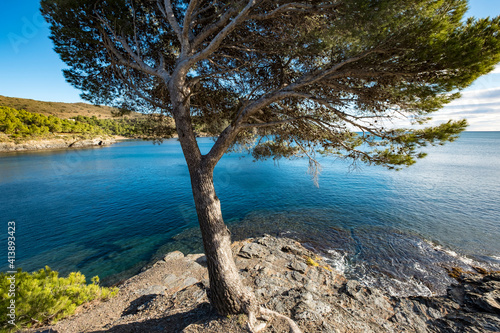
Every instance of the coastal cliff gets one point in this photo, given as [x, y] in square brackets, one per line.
[171, 296]
[59, 143]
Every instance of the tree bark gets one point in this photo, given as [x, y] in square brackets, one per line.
[227, 292]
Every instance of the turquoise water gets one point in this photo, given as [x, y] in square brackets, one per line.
[110, 211]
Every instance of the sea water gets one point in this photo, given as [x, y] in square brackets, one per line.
[110, 211]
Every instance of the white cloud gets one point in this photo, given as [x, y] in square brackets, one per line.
[480, 107]
[496, 70]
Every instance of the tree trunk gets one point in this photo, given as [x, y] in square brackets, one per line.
[227, 292]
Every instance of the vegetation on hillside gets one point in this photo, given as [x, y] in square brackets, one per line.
[21, 124]
[43, 297]
[62, 110]
[123, 127]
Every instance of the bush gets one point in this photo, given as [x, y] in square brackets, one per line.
[21, 124]
[24, 124]
[43, 297]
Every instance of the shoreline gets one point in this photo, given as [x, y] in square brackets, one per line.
[170, 296]
[69, 143]
[57, 143]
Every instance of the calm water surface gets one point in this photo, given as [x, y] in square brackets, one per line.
[110, 211]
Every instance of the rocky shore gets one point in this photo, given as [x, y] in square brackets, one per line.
[59, 143]
[171, 296]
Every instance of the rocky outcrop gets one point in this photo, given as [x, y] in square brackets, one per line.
[60, 143]
[171, 296]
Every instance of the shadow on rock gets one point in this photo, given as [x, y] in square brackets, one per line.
[139, 304]
[168, 324]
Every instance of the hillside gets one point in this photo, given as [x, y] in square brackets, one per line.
[23, 120]
[24, 130]
[60, 110]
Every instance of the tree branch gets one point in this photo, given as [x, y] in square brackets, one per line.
[290, 6]
[133, 86]
[112, 49]
[139, 63]
[188, 18]
[321, 74]
[172, 20]
[170, 16]
[344, 116]
[289, 91]
[207, 31]
[135, 29]
[204, 9]
[272, 123]
[230, 133]
[215, 43]
[197, 79]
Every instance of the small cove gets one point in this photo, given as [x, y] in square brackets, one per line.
[110, 211]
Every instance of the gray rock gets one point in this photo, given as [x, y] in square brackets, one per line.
[311, 286]
[261, 282]
[194, 266]
[293, 250]
[173, 256]
[298, 266]
[318, 299]
[205, 283]
[202, 261]
[322, 307]
[313, 274]
[303, 311]
[492, 302]
[174, 283]
[327, 328]
[297, 276]
[189, 282]
[200, 296]
[144, 306]
[253, 250]
[262, 292]
[353, 288]
[487, 301]
[270, 258]
[170, 279]
[152, 290]
[199, 258]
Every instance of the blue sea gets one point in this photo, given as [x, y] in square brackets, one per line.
[110, 211]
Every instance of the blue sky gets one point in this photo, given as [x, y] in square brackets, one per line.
[29, 68]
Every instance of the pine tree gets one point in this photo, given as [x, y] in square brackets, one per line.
[294, 77]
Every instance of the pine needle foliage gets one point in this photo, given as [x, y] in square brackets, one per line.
[307, 76]
[43, 297]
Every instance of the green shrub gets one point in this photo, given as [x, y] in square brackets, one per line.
[21, 124]
[24, 124]
[43, 297]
